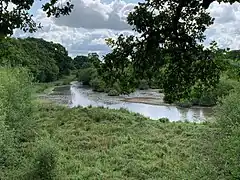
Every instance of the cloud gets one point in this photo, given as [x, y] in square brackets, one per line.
[76, 40]
[93, 14]
[226, 28]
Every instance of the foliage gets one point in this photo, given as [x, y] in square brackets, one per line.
[86, 75]
[208, 97]
[45, 162]
[113, 92]
[143, 84]
[16, 120]
[98, 85]
[169, 35]
[15, 14]
[47, 61]
[227, 142]
[9, 158]
[233, 66]
[164, 120]
[15, 99]
[228, 110]
[112, 142]
[81, 62]
[164, 151]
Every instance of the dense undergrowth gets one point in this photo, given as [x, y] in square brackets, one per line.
[40, 140]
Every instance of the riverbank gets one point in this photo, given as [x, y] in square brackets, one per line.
[98, 143]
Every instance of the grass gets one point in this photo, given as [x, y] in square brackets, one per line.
[98, 143]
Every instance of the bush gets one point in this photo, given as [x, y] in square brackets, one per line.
[184, 103]
[9, 157]
[164, 120]
[16, 110]
[227, 141]
[207, 97]
[15, 98]
[116, 86]
[45, 163]
[143, 84]
[113, 92]
[86, 75]
[98, 85]
[228, 111]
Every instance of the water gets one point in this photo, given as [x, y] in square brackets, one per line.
[79, 97]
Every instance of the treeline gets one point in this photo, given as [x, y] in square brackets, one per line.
[47, 61]
[97, 74]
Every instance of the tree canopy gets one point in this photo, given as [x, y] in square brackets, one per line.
[47, 61]
[15, 14]
[170, 37]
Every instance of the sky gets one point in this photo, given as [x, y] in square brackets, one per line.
[92, 21]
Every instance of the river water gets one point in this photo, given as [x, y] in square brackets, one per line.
[76, 95]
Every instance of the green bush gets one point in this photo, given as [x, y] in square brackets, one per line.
[16, 120]
[116, 86]
[184, 103]
[207, 97]
[226, 141]
[98, 85]
[86, 75]
[143, 84]
[15, 98]
[45, 163]
[227, 111]
[113, 92]
[164, 120]
[9, 157]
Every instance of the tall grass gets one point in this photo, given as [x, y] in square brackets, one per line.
[227, 140]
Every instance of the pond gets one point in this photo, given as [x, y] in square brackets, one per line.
[77, 95]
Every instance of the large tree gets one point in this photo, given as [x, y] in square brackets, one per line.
[15, 14]
[170, 37]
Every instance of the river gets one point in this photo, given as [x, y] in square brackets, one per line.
[76, 95]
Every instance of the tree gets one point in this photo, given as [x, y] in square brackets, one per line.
[47, 61]
[15, 14]
[170, 33]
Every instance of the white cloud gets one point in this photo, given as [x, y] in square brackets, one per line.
[10, 6]
[93, 14]
[226, 28]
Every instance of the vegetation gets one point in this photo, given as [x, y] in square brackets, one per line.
[172, 47]
[41, 140]
[90, 143]
[47, 61]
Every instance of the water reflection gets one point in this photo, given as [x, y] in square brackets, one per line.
[173, 113]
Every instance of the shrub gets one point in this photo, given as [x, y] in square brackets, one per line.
[227, 141]
[116, 86]
[143, 84]
[113, 92]
[163, 120]
[227, 111]
[15, 98]
[45, 163]
[98, 85]
[9, 157]
[86, 75]
[184, 103]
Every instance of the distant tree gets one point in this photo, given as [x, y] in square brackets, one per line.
[81, 62]
[47, 61]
